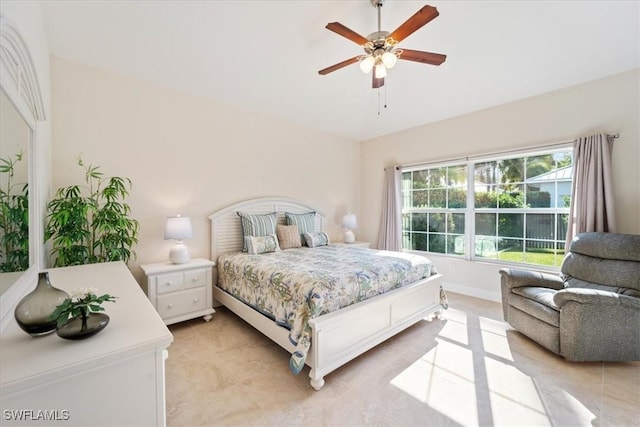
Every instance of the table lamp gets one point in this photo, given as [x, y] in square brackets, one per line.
[178, 228]
[349, 221]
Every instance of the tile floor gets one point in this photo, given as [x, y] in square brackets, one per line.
[468, 369]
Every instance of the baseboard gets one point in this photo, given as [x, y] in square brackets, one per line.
[472, 292]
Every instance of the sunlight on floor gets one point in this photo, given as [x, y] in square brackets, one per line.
[496, 345]
[443, 379]
[580, 412]
[513, 394]
[455, 329]
[477, 380]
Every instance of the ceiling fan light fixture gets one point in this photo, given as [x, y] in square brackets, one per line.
[389, 59]
[380, 71]
[367, 64]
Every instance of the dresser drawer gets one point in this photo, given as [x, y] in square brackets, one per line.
[182, 302]
[195, 278]
[169, 282]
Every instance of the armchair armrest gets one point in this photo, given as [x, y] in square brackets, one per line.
[595, 296]
[598, 325]
[516, 278]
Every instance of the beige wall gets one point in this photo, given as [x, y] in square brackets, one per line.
[606, 105]
[190, 155]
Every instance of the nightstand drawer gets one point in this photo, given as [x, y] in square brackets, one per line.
[195, 278]
[182, 302]
[169, 282]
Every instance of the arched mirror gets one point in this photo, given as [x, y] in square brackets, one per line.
[21, 120]
[15, 140]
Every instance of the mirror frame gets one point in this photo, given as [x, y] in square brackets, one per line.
[18, 79]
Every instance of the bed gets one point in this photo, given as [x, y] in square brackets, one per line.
[336, 329]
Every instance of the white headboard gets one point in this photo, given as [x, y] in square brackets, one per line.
[226, 230]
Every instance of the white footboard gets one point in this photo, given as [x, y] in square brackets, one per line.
[343, 335]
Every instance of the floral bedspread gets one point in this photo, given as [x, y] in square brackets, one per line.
[295, 285]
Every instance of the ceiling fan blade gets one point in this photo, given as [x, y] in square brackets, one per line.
[376, 83]
[424, 57]
[418, 20]
[339, 65]
[338, 28]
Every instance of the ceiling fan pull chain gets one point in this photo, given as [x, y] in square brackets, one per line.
[385, 94]
[378, 101]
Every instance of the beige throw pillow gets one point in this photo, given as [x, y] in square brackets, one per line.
[288, 236]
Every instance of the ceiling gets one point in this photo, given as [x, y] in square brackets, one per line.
[264, 56]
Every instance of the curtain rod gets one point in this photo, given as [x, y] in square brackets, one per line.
[498, 153]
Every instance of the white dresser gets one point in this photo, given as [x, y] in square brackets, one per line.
[115, 378]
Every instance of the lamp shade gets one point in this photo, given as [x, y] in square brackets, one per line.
[367, 64]
[389, 59]
[349, 221]
[380, 71]
[178, 228]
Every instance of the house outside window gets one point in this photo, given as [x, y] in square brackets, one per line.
[512, 209]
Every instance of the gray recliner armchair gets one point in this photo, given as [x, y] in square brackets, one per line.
[591, 312]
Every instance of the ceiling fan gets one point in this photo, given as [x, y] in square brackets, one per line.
[380, 47]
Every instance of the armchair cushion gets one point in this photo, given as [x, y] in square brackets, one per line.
[538, 302]
[604, 261]
[624, 247]
[599, 271]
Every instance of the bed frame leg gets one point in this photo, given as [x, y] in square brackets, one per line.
[316, 383]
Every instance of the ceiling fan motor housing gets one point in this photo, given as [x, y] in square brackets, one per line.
[377, 42]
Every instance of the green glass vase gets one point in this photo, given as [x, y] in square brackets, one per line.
[33, 311]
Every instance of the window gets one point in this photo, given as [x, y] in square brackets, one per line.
[434, 209]
[513, 209]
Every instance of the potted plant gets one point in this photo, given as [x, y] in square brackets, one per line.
[91, 224]
[79, 316]
[14, 218]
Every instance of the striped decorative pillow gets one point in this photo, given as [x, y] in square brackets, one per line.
[305, 223]
[257, 225]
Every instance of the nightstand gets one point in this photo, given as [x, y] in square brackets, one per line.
[180, 291]
[356, 244]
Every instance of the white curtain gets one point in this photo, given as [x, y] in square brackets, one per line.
[391, 225]
[592, 192]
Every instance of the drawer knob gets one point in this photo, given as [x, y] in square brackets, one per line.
[169, 305]
[169, 283]
[195, 300]
[195, 279]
